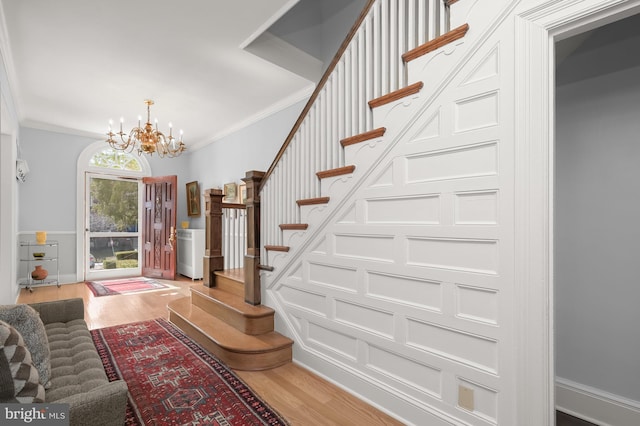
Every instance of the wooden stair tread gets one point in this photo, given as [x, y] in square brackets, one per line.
[436, 43]
[362, 137]
[276, 248]
[233, 302]
[312, 201]
[294, 226]
[225, 335]
[339, 171]
[396, 95]
[232, 274]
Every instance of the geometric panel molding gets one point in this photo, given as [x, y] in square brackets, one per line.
[462, 162]
[364, 317]
[457, 254]
[303, 299]
[349, 216]
[369, 247]
[398, 210]
[456, 345]
[333, 276]
[346, 346]
[476, 208]
[487, 68]
[405, 290]
[385, 178]
[320, 247]
[477, 304]
[430, 130]
[406, 371]
[477, 112]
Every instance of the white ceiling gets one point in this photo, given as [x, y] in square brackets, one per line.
[75, 64]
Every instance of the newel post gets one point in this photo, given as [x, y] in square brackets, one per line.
[252, 292]
[213, 258]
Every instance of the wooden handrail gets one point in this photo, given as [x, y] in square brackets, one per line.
[319, 87]
[234, 206]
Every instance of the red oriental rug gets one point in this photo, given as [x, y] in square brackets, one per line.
[124, 286]
[174, 381]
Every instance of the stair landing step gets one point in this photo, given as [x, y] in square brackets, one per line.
[232, 274]
[236, 349]
[233, 302]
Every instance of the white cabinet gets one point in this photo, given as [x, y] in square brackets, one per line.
[190, 252]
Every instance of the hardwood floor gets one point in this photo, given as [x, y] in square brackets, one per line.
[300, 396]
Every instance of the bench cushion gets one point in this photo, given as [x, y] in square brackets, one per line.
[76, 367]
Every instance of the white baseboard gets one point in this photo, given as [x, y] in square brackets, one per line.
[594, 405]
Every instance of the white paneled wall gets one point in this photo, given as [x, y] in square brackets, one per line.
[403, 280]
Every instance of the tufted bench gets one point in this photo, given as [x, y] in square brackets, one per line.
[77, 374]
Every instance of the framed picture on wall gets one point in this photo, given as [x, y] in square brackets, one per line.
[193, 199]
[230, 192]
[242, 193]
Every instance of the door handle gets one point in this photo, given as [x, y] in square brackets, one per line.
[172, 237]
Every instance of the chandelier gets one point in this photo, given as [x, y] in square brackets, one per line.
[147, 139]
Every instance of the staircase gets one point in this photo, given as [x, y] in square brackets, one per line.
[241, 335]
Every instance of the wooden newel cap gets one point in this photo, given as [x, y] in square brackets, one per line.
[210, 192]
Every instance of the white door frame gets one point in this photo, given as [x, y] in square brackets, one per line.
[537, 28]
[84, 167]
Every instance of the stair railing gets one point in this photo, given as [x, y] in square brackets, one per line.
[234, 235]
[368, 65]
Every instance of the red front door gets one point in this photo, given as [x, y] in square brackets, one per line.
[158, 227]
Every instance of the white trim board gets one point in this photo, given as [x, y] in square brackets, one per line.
[594, 405]
[537, 25]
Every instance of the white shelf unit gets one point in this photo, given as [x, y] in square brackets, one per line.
[49, 261]
[191, 246]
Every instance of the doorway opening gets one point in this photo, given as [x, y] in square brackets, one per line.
[112, 236]
[596, 236]
[109, 212]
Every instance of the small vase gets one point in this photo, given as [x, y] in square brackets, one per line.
[39, 273]
[41, 237]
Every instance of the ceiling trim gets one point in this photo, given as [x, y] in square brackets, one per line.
[301, 95]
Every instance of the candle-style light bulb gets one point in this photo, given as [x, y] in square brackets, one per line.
[180, 135]
[156, 122]
[121, 121]
[110, 124]
[170, 129]
[139, 120]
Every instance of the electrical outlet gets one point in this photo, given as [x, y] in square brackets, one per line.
[465, 398]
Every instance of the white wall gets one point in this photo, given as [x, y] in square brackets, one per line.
[597, 234]
[8, 192]
[47, 201]
[228, 159]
